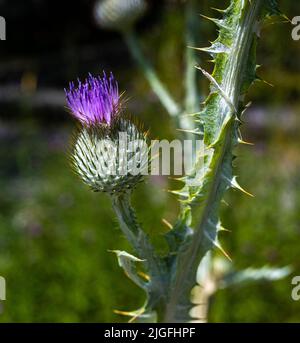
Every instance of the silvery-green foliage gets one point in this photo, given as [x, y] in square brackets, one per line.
[216, 273]
[118, 14]
[234, 56]
[249, 275]
[111, 159]
[173, 277]
[169, 280]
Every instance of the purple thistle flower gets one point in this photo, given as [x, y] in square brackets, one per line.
[96, 100]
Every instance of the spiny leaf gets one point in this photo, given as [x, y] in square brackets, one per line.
[235, 184]
[220, 118]
[252, 274]
[127, 262]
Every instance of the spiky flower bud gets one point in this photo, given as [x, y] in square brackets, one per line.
[109, 152]
[118, 15]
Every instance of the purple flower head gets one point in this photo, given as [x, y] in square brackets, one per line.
[96, 100]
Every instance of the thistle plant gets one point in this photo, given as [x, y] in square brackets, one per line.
[98, 155]
[172, 282]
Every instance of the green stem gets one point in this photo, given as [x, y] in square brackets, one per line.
[127, 219]
[130, 227]
[159, 89]
[139, 240]
[213, 190]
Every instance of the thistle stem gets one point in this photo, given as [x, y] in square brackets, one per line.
[131, 228]
[205, 233]
[141, 244]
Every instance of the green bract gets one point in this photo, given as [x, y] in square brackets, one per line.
[110, 158]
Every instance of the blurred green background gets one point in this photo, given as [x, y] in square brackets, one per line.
[55, 234]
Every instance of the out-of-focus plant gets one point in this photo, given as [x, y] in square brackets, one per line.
[218, 273]
[170, 281]
[121, 16]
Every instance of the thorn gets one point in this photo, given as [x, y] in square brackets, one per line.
[241, 141]
[215, 83]
[144, 276]
[220, 228]
[168, 224]
[214, 49]
[267, 83]
[246, 108]
[218, 22]
[195, 48]
[123, 313]
[217, 245]
[259, 79]
[133, 314]
[235, 185]
[190, 115]
[286, 18]
[129, 313]
[205, 17]
[218, 10]
[225, 202]
[179, 193]
[223, 252]
[199, 133]
[122, 253]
